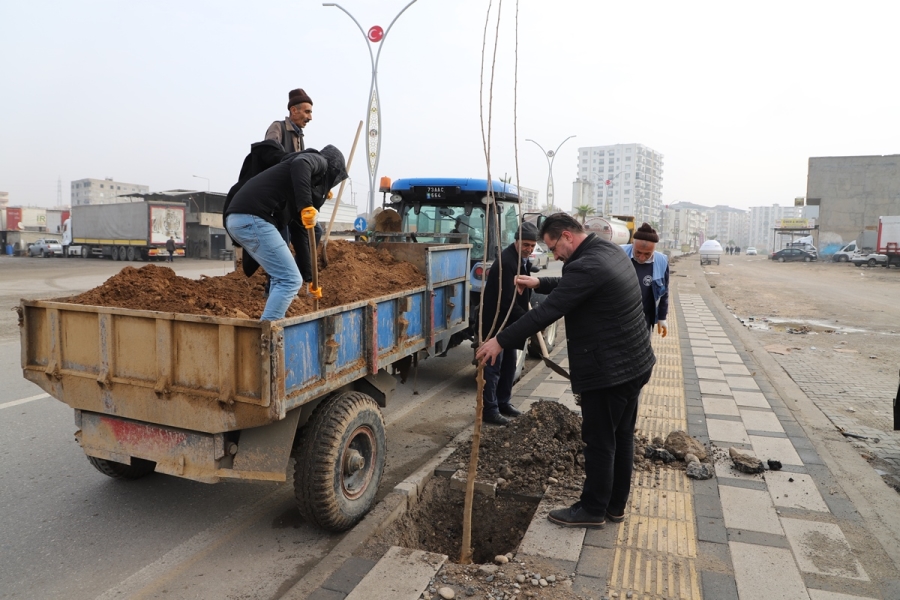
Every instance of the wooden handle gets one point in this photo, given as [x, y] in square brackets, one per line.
[337, 201]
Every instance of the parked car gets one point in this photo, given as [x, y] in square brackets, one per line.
[539, 258]
[45, 247]
[806, 247]
[871, 260]
[789, 254]
[751, 251]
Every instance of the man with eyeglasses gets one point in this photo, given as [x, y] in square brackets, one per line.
[610, 358]
[500, 289]
[652, 270]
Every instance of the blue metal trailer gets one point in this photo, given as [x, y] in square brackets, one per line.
[211, 399]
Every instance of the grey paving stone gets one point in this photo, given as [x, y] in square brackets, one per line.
[890, 588]
[718, 585]
[718, 552]
[589, 587]
[708, 487]
[810, 457]
[595, 562]
[743, 482]
[801, 442]
[708, 506]
[841, 507]
[322, 594]
[602, 538]
[757, 537]
[711, 530]
[348, 575]
[773, 434]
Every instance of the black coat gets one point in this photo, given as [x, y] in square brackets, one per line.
[598, 294]
[505, 294]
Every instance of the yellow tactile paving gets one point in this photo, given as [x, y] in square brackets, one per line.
[656, 546]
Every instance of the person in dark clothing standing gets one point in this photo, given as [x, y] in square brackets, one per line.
[170, 248]
[260, 211]
[289, 131]
[610, 358]
[500, 289]
[652, 270]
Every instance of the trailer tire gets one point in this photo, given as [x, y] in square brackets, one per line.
[137, 469]
[330, 491]
[131, 254]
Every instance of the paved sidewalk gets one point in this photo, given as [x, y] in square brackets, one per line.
[792, 534]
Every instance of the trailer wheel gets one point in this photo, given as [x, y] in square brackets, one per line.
[131, 254]
[137, 469]
[340, 461]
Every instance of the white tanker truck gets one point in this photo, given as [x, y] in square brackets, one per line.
[611, 229]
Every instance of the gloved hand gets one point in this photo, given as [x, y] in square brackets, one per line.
[315, 292]
[662, 328]
[308, 216]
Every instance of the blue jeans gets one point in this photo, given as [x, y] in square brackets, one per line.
[498, 382]
[264, 243]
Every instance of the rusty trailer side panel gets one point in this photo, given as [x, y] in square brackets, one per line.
[213, 375]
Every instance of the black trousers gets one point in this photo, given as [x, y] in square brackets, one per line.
[609, 416]
[498, 381]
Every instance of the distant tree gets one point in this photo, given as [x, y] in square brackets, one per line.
[584, 211]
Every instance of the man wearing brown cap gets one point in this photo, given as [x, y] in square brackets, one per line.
[652, 270]
[289, 132]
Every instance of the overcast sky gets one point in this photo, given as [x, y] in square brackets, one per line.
[737, 96]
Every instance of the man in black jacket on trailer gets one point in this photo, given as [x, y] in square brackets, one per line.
[500, 288]
[610, 358]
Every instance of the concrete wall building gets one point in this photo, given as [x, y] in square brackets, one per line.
[684, 224]
[763, 219]
[103, 191]
[583, 194]
[728, 224]
[635, 175]
[4, 199]
[529, 199]
[852, 192]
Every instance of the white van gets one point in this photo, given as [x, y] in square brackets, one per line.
[846, 253]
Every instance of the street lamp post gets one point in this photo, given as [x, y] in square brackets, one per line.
[609, 186]
[373, 117]
[206, 178]
[550, 155]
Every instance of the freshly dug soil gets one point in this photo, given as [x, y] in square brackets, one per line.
[544, 442]
[355, 272]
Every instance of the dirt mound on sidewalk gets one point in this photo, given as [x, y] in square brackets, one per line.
[355, 272]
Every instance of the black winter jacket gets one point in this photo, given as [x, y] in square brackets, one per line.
[599, 296]
[505, 294]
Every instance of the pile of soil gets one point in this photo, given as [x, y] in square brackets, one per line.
[544, 442]
[355, 272]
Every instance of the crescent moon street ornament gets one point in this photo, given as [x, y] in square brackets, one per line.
[373, 128]
[375, 34]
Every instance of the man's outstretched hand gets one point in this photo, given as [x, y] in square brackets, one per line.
[487, 353]
[524, 282]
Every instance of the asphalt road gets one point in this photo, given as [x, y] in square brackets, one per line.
[70, 532]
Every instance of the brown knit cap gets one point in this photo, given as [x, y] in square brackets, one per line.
[298, 96]
[646, 233]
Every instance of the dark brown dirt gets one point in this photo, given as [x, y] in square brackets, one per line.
[544, 442]
[356, 272]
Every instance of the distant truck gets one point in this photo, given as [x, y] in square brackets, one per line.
[888, 242]
[126, 231]
[863, 244]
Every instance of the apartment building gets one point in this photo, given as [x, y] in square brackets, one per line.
[683, 224]
[529, 199]
[626, 179]
[104, 191]
[763, 219]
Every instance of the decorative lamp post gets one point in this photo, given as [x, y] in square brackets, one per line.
[373, 118]
[550, 155]
[206, 178]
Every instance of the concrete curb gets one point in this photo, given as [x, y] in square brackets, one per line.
[404, 495]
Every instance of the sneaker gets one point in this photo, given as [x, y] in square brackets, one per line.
[576, 516]
[613, 518]
[508, 410]
[495, 419]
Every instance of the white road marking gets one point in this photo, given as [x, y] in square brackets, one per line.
[23, 401]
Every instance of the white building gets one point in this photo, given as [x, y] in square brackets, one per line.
[683, 224]
[634, 174]
[104, 191]
[763, 220]
[729, 225]
[529, 199]
[583, 193]
[4, 199]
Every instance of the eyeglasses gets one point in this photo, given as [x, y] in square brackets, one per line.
[553, 247]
